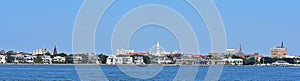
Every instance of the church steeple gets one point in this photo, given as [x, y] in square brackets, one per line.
[282, 44]
[55, 50]
[240, 47]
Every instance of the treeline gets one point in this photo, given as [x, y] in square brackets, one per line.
[265, 60]
[10, 57]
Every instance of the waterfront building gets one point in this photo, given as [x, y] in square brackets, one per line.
[233, 61]
[279, 51]
[29, 59]
[59, 59]
[185, 59]
[138, 60]
[2, 59]
[84, 59]
[19, 58]
[23, 58]
[77, 59]
[215, 62]
[190, 59]
[47, 59]
[119, 60]
[160, 60]
[41, 51]
[92, 59]
[280, 63]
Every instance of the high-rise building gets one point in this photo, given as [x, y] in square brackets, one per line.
[55, 50]
[279, 51]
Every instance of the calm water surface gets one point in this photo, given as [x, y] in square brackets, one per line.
[42, 72]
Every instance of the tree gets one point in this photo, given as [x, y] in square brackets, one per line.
[61, 54]
[10, 58]
[267, 60]
[38, 60]
[69, 58]
[102, 58]
[289, 60]
[48, 53]
[274, 59]
[146, 59]
[249, 61]
[235, 57]
[171, 58]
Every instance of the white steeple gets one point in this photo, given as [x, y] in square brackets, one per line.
[157, 49]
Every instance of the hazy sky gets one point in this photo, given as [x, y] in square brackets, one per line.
[256, 24]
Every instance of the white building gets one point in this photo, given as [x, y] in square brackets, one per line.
[2, 59]
[59, 59]
[161, 60]
[29, 59]
[41, 51]
[233, 61]
[280, 63]
[114, 60]
[138, 60]
[19, 58]
[47, 59]
[77, 59]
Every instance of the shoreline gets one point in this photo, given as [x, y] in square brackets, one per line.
[297, 65]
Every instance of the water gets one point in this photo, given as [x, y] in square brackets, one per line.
[43, 72]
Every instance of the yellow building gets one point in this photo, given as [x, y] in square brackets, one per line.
[279, 51]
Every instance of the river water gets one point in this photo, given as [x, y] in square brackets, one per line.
[69, 73]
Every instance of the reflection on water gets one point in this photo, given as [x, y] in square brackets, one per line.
[43, 72]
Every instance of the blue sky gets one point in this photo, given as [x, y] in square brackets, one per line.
[256, 24]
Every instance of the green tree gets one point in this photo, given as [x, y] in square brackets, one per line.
[289, 60]
[235, 57]
[274, 59]
[102, 58]
[48, 53]
[69, 59]
[267, 60]
[10, 58]
[249, 61]
[61, 54]
[38, 60]
[146, 59]
[171, 58]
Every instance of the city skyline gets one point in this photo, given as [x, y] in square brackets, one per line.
[156, 47]
[30, 25]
